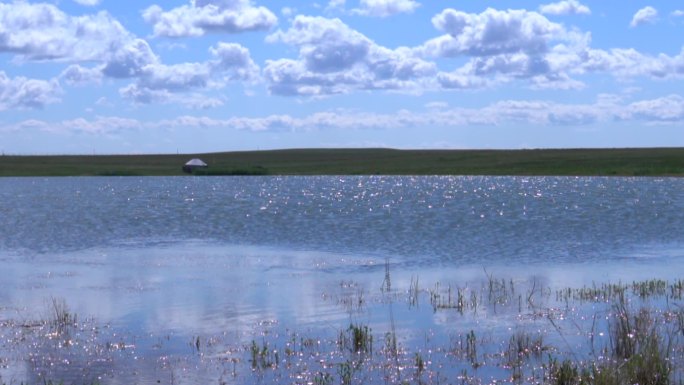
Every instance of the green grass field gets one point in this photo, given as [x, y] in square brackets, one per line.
[622, 162]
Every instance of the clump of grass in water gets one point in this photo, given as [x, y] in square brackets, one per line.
[467, 348]
[420, 364]
[357, 339]
[650, 288]
[323, 379]
[413, 291]
[263, 357]
[636, 354]
[450, 300]
[61, 319]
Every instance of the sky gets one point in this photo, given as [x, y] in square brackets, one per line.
[188, 76]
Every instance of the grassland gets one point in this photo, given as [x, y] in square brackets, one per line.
[594, 162]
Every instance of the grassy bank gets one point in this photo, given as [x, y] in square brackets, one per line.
[623, 162]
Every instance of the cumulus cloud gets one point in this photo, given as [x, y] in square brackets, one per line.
[233, 61]
[384, 8]
[628, 63]
[668, 109]
[461, 79]
[43, 32]
[567, 7]
[209, 16]
[21, 92]
[76, 75]
[333, 58]
[130, 60]
[491, 32]
[646, 15]
[505, 46]
[157, 82]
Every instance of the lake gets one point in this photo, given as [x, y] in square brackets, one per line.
[275, 279]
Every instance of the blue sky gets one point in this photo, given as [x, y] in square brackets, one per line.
[104, 76]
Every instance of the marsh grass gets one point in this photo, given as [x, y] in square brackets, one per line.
[356, 339]
[612, 334]
[263, 357]
[459, 299]
[638, 343]
[237, 171]
[61, 318]
[366, 161]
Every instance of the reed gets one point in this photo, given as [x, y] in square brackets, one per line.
[61, 318]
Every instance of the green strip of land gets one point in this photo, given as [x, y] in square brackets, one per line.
[590, 162]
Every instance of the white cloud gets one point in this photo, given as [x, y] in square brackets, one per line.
[492, 32]
[75, 75]
[627, 63]
[158, 83]
[436, 105]
[668, 109]
[567, 7]
[43, 32]
[88, 3]
[335, 4]
[507, 111]
[384, 8]
[461, 79]
[288, 11]
[606, 108]
[209, 16]
[100, 125]
[130, 60]
[531, 112]
[677, 13]
[177, 77]
[21, 92]
[505, 46]
[104, 102]
[139, 94]
[334, 58]
[233, 61]
[646, 15]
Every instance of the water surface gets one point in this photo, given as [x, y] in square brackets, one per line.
[154, 263]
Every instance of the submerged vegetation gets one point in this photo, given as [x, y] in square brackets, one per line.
[608, 162]
[612, 333]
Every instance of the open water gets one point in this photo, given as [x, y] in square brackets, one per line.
[150, 265]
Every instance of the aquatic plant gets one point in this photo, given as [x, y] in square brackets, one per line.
[321, 378]
[345, 370]
[357, 339]
[632, 339]
[413, 292]
[471, 348]
[61, 317]
[419, 364]
[263, 357]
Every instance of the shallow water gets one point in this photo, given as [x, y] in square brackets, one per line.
[150, 265]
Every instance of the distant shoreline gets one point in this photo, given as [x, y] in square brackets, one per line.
[364, 161]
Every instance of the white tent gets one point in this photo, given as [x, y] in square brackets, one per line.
[196, 163]
[193, 164]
